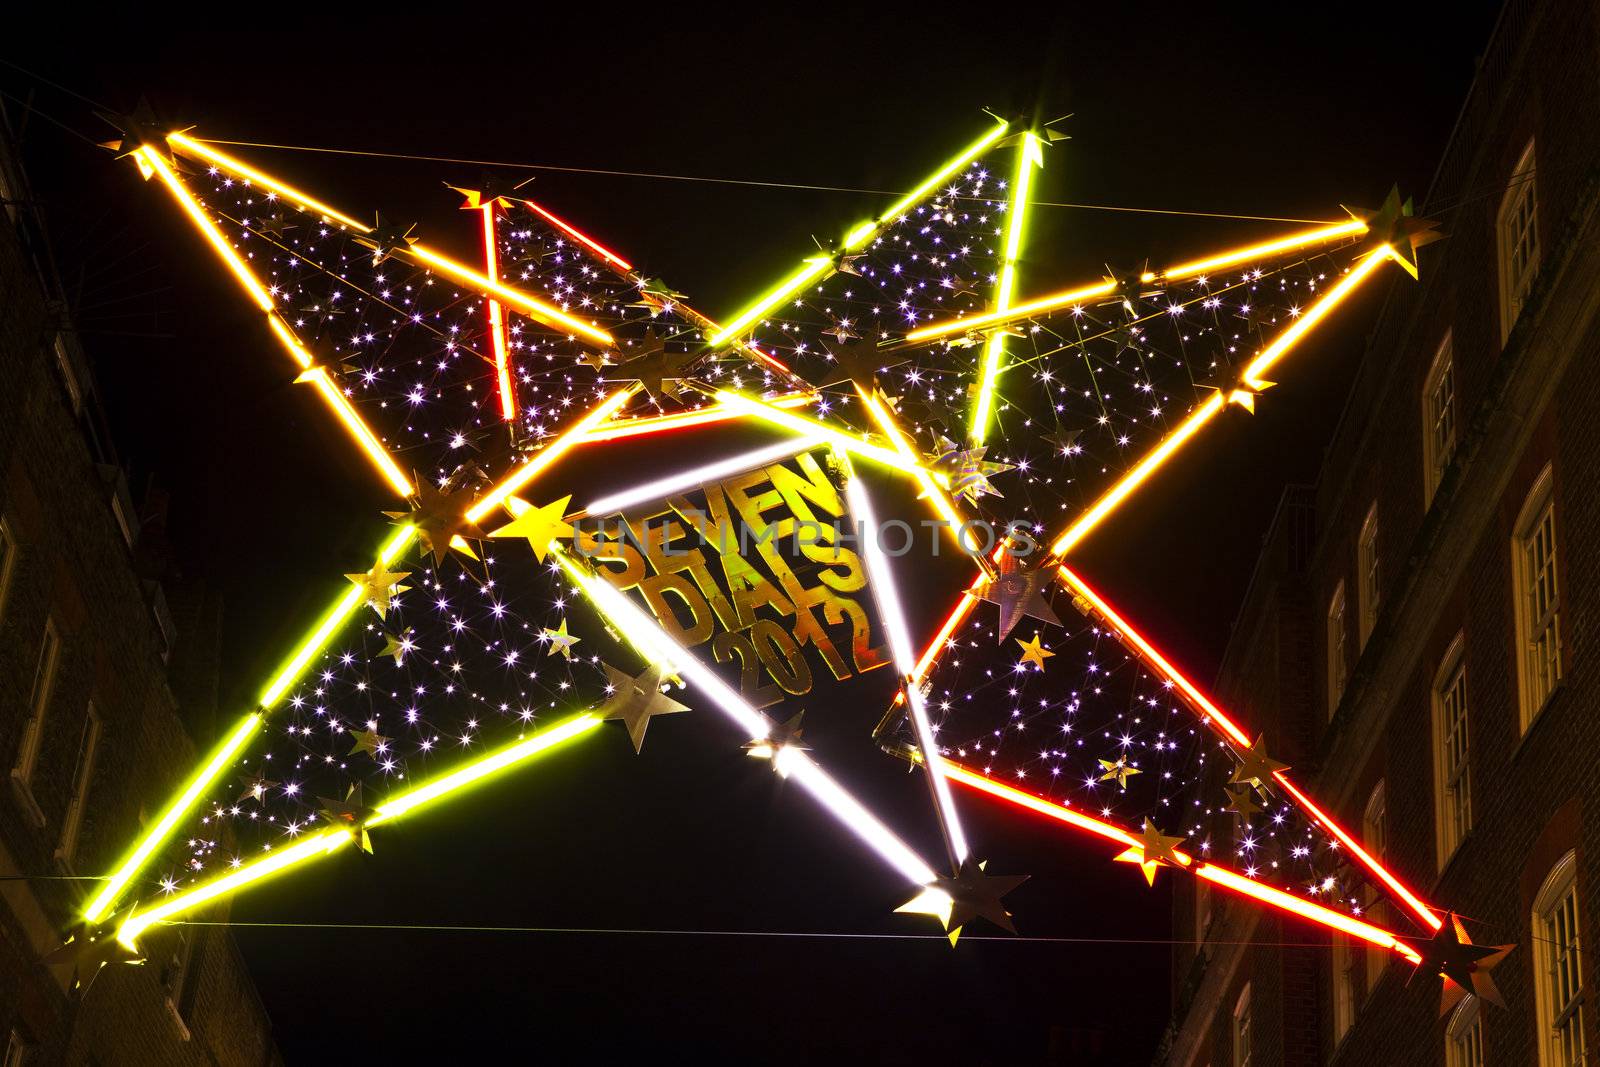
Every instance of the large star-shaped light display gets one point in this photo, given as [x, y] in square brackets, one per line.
[903, 352]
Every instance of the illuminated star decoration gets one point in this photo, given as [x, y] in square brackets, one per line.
[560, 640]
[1154, 849]
[255, 785]
[636, 700]
[91, 946]
[1018, 590]
[539, 525]
[1464, 966]
[440, 519]
[349, 814]
[380, 586]
[369, 741]
[1119, 771]
[1255, 767]
[491, 191]
[1392, 226]
[397, 646]
[140, 128]
[1242, 802]
[386, 238]
[654, 368]
[788, 735]
[966, 469]
[1034, 651]
[858, 361]
[970, 893]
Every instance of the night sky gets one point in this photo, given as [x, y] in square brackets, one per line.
[1265, 113]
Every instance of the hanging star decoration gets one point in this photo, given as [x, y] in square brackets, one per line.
[387, 238]
[91, 946]
[635, 700]
[1154, 849]
[657, 370]
[966, 470]
[540, 526]
[1464, 966]
[1064, 441]
[560, 640]
[380, 586]
[858, 361]
[140, 128]
[351, 814]
[1242, 802]
[1130, 289]
[369, 741]
[255, 785]
[491, 191]
[397, 645]
[440, 519]
[1394, 228]
[1255, 768]
[1018, 590]
[1118, 770]
[971, 893]
[1034, 651]
[789, 734]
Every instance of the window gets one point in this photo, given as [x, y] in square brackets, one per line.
[69, 377]
[1375, 839]
[1241, 1029]
[1367, 572]
[1463, 1036]
[1538, 599]
[8, 560]
[1438, 418]
[1336, 657]
[44, 680]
[1452, 771]
[1519, 241]
[1344, 987]
[82, 775]
[180, 977]
[19, 1050]
[1558, 976]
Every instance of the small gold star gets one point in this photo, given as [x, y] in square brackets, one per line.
[1118, 772]
[380, 586]
[560, 640]
[540, 525]
[1034, 651]
[1154, 849]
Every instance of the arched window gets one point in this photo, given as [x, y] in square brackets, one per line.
[1463, 1036]
[1518, 236]
[1452, 765]
[1536, 580]
[1558, 978]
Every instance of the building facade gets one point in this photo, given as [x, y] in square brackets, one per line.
[106, 686]
[1422, 635]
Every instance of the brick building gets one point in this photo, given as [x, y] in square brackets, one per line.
[107, 683]
[1420, 634]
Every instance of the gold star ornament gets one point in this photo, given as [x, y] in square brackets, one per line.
[1154, 849]
[540, 525]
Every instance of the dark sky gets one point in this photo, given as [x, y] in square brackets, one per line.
[1204, 108]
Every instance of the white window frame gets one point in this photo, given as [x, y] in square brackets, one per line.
[8, 562]
[1240, 1031]
[1438, 418]
[1452, 752]
[46, 669]
[1558, 971]
[1375, 839]
[82, 776]
[1517, 240]
[1336, 635]
[1368, 589]
[1536, 578]
[1463, 1035]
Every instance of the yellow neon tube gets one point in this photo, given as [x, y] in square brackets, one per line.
[1192, 269]
[550, 453]
[811, 428]
[329, 841]
[258, 294]
[1134, 478]
[935, 492]
[530, 306]
[106, 899]
[1029, 156]
[1311, 316]
[208, 229]
[680, 420]
[858, 236]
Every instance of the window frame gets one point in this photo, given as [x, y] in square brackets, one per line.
[1558, 893]
[1437, 454]
[1241, 1024]
[1336, 636]
[1452, 806]
[82, 778]
[1375, 839]
[1342, 960]
[46, 672]
[1536, 520]
[8, 561]
[1521, 190]
[1463, 1035]
[1368, 587]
